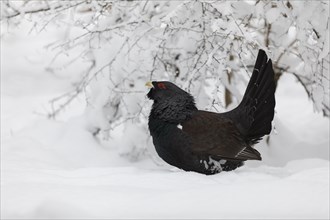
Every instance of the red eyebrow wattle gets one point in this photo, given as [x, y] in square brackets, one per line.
[161, 85]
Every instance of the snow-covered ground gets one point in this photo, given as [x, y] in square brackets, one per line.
[57, 169]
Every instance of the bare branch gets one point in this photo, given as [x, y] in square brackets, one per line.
[57, 8]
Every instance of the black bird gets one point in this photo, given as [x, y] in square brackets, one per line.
[208, 142]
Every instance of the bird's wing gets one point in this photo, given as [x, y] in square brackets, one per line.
[215, 136]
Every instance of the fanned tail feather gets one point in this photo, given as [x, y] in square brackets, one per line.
[255, 113]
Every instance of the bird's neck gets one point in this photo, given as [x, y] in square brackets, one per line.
[173, 112]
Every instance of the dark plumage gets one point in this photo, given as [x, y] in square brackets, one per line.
[208, 142]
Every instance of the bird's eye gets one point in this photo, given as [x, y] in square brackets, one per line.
[161, 86]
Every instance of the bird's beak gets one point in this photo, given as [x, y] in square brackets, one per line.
[149, 85]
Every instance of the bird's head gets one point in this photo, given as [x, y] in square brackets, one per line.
[163, 90]
[171, 103]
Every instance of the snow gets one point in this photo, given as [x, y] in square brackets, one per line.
[58, 169]
[272, 14]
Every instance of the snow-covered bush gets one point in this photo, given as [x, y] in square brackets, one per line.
[206, 47]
